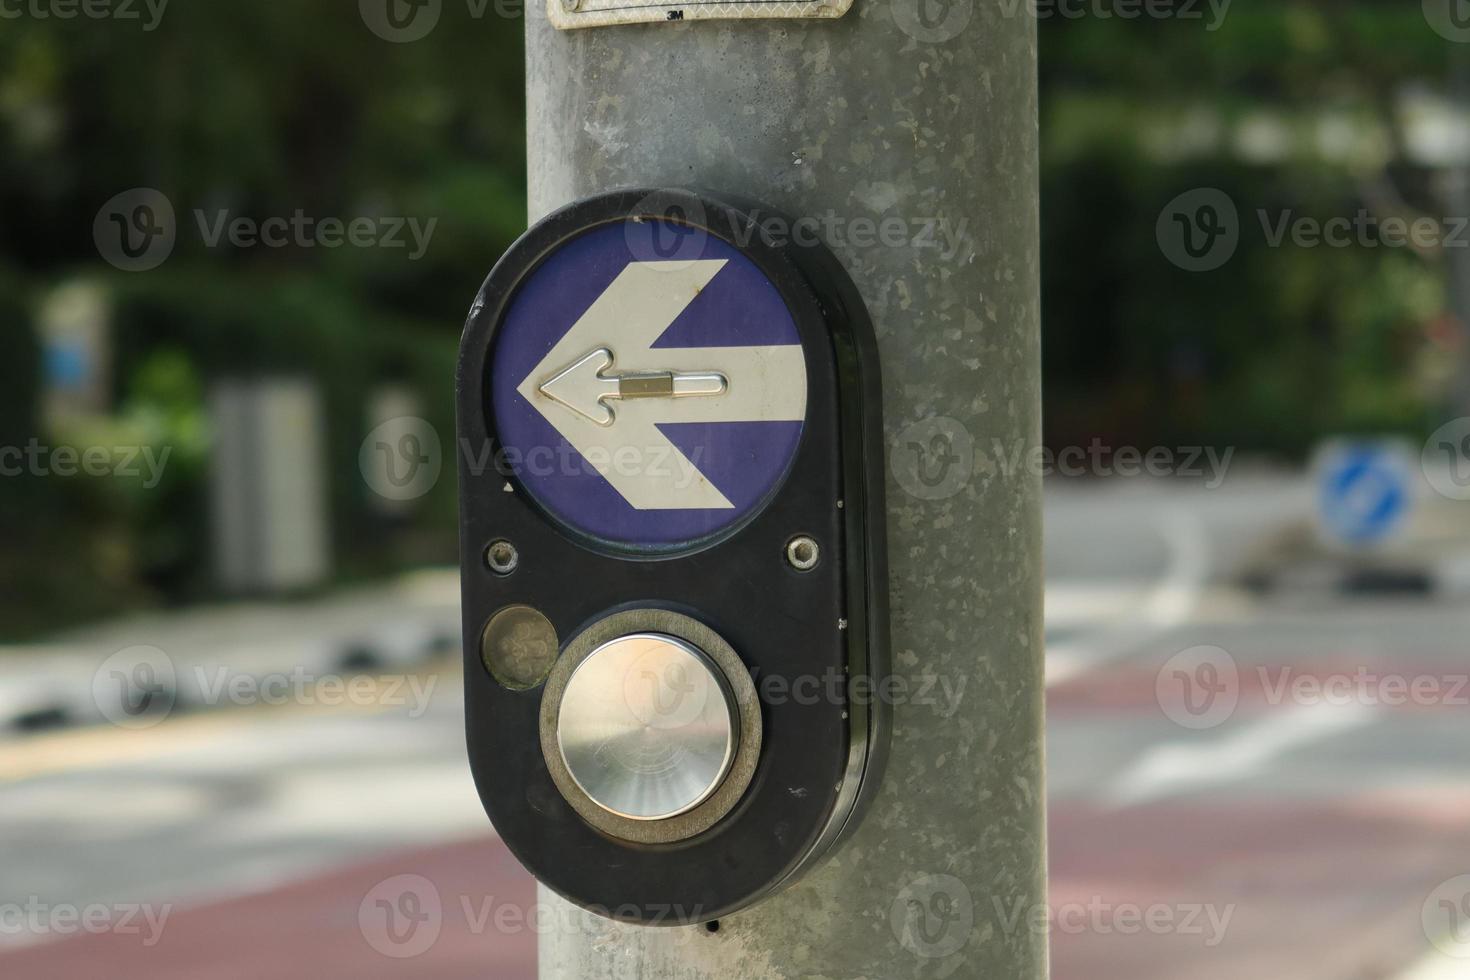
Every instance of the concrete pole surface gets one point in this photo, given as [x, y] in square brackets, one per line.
[907, 131]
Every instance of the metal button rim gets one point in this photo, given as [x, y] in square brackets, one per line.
[747, 756]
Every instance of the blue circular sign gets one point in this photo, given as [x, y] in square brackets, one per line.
[1365, 492]
[648, 397]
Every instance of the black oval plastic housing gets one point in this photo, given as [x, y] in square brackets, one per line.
[802, 635]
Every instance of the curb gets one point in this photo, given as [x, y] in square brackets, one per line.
[1358, 578]
[53, 704]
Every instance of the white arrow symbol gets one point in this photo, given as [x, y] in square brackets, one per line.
[570, 386]
[585, 386]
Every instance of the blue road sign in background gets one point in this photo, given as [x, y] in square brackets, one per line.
[1365, 491]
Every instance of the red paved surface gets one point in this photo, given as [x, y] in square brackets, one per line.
[1383, 682]
[312, 930]
[1321, 892]
[1294, 875]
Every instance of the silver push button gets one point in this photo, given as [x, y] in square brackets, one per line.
[648, 726]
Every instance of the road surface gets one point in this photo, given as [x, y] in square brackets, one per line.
[1236, 790]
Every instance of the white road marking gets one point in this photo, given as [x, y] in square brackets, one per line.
[1180, 767]
[1168, 605]
[1438, 966]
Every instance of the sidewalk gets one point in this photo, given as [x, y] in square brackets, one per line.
[188, 657]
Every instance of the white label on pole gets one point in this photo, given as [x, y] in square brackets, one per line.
[570, 14]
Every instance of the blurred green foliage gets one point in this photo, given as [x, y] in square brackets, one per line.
[269, 109]
[264, 110]
[1282, 344]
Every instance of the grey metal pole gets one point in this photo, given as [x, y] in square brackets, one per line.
[906, 131]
